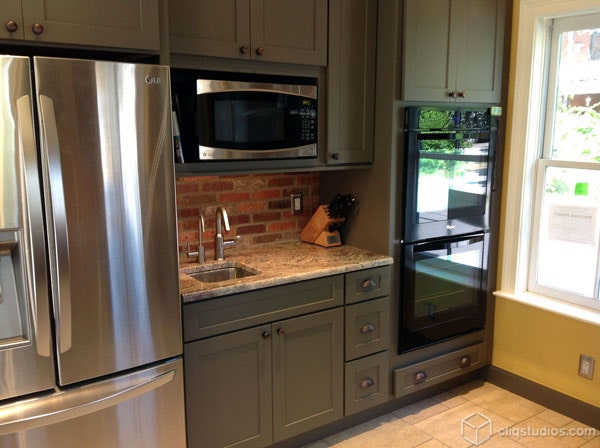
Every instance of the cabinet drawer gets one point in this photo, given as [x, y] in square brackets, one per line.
[366, 383]
[367, 328]
[368, 284]
[436, 370]
[229, 313]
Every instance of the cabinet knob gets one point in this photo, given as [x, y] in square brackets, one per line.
[420, 376]
[465, 361]
[280, 331]
[335, 156]
[452, 94]
[368, 328]
[260, 51]
[369, 284]
[37, 28]
[244, 49]
[367, 382]
[266, 335]
[462, 94]
[11, 26]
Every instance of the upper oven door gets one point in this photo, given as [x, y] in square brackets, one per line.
[240, 120]
[448, 182]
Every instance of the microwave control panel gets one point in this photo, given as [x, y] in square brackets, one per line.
[308, 121]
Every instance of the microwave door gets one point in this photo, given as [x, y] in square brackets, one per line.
[25, 340]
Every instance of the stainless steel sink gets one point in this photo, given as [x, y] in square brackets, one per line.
[221, 273]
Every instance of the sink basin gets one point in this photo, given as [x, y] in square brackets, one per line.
[221, 273]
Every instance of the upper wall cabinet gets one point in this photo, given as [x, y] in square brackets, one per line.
[453, 50]
[129, 24]
[292, 31]
[351, 81]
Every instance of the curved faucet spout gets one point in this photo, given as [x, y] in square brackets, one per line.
[221, 216]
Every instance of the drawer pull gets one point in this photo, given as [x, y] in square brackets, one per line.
[368, 328]
[280, 331]
[266, 335]
[465, 361]
[368, 382]
[369, 284]
[420, 377]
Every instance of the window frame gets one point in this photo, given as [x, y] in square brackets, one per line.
[525, 129]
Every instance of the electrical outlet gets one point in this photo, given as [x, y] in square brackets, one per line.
[296, 203]
[586, 366]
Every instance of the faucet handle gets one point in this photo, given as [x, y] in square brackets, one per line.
[190, 254]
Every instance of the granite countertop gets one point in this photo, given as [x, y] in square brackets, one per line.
[275, 264]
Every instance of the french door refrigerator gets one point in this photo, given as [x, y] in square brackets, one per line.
[90, 332]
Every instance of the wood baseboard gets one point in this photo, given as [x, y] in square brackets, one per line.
[545, 396]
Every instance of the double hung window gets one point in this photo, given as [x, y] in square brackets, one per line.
[565, 252]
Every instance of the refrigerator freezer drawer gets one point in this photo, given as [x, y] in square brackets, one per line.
[140, 409]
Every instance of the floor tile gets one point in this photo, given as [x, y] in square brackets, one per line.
[477, 412]
[416, 412]
[554, 417]
[508, 405]
[449, 426]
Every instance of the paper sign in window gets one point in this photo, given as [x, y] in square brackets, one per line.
[577, 224]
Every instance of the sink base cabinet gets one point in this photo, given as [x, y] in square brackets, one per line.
[253, 387]
[228, 390]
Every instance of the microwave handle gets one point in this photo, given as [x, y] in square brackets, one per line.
[207, 86]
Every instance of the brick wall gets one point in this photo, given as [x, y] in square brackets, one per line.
[258, 206]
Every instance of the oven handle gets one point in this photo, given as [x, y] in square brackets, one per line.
[448, 243]
[482, 135]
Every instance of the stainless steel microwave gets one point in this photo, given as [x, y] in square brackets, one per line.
[248, 120]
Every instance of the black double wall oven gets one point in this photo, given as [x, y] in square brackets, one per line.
[449, 166]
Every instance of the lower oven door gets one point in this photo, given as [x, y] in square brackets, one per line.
[444, 293]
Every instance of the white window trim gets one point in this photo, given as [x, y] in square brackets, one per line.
[524, 130]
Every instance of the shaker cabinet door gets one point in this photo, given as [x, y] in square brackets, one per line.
[228, 390]
[351, 81]
[291, 31]
[210, 27]
[11, 20]
[453, 50]
[108, 23]
[307, 372]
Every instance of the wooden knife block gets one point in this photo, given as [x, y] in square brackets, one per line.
[317, 229]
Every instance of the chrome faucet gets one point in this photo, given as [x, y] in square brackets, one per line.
[200, 252]
[221, 244]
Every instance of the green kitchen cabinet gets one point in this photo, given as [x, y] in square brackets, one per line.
[351, 81]
[294, 31]
[131, 24]
[453, 50]
[257, 386]
[228, 390]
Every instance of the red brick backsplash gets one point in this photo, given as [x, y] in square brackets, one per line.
[258, 206]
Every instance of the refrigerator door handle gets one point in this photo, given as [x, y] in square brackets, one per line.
[57, 224]
[69, 405]
[33, 239]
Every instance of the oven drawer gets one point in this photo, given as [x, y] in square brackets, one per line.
[436, 370]
[367, 328]
[367, 382]
[368, 284]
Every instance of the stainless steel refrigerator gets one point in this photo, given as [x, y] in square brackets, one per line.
[90, 332]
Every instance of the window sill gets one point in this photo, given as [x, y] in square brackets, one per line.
[581, 314]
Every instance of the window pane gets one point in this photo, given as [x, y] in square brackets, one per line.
[568, 233]
[577, 111]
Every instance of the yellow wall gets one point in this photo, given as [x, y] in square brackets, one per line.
[544, 347]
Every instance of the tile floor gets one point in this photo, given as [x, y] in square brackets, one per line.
[450, 419]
